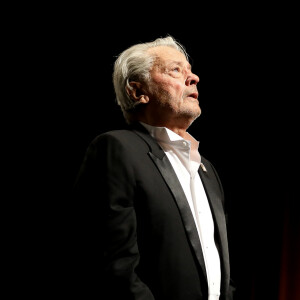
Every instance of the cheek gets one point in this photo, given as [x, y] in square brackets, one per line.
[176, 88]
[168, 88]
[179, 89]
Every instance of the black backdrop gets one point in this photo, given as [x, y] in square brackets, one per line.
[247, 128]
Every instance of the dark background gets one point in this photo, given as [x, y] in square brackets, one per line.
[246, 63]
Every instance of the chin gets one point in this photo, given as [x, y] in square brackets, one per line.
[194, 112]
[191, 115]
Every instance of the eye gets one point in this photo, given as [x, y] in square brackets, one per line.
[176, 69]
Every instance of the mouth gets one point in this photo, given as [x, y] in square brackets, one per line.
[193, 95]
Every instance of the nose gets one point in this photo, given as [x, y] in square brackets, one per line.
[192, 79]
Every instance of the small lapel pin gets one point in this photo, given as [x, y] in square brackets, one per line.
[203, 167]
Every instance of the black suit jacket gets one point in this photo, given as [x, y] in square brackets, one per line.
[132, 205]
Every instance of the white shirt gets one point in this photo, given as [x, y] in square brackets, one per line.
[186, 160]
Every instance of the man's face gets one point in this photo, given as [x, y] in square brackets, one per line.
[173, 86]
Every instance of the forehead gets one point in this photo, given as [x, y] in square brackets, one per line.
[166, 55]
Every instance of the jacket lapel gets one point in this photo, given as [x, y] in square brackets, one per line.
[209, 182]
[164, 166]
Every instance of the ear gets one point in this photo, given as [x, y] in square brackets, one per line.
[136, 92]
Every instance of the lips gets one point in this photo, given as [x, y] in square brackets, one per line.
[193, 95]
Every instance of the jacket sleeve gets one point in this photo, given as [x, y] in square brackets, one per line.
[105, 189]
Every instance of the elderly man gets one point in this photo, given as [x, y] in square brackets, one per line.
[162, 204]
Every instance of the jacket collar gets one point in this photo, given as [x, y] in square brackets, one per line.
[141, 131]
[163, 164]
[207, 175]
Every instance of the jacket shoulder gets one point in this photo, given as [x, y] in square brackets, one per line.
[123, 135]
[120, 140]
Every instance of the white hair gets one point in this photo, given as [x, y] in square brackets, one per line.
[134, 64]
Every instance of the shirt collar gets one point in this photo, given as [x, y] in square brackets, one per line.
[168, 139]
[165, 135]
